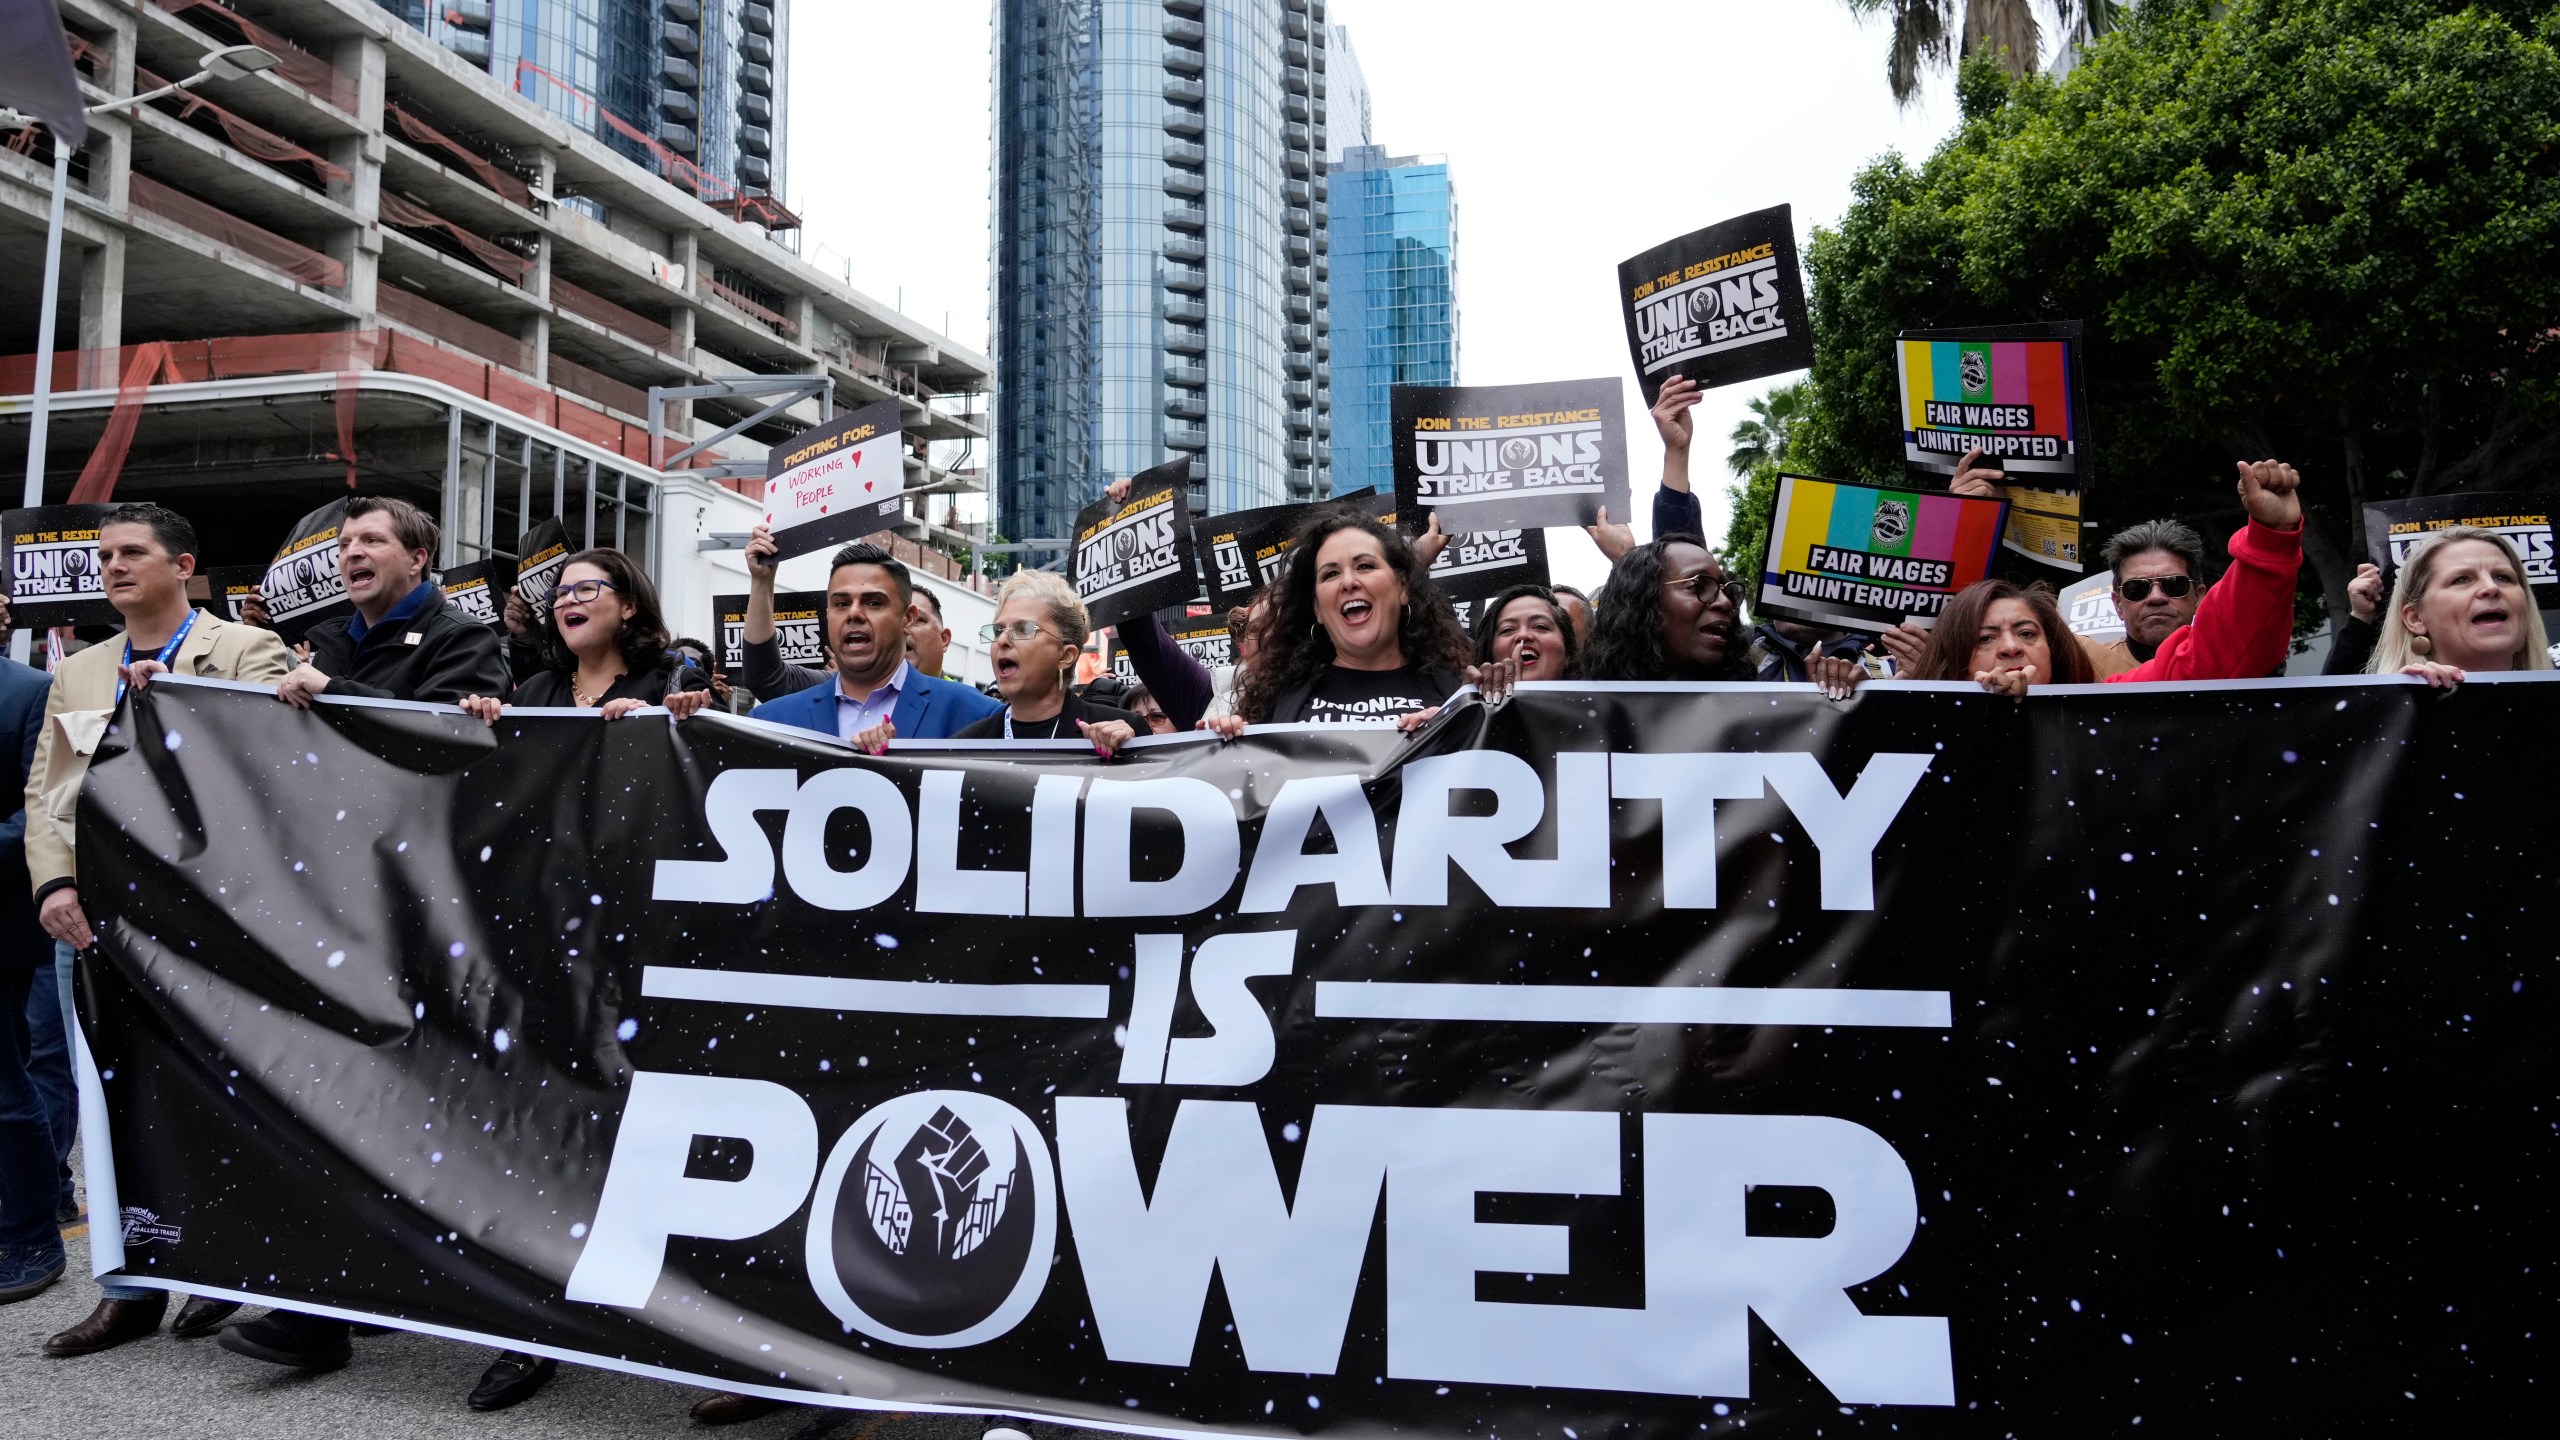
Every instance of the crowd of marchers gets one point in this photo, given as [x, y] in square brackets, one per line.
[1351, 629]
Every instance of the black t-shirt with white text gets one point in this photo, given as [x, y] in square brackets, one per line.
[1342, 695]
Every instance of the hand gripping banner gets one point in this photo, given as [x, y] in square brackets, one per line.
[1622, 1060]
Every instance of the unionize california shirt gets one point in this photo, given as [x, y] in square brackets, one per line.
[1342, 695]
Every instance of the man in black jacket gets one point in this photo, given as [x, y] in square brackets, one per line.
[402, 643]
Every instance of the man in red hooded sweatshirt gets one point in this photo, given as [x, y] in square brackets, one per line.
[2243, 626]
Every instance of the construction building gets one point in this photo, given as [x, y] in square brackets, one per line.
[476, 255]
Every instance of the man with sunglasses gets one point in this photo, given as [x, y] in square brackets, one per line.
[2178, 629]
[2156, 567]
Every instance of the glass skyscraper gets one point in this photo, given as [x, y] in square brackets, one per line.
[702, 78]
[1159, 278]
[1395, 299]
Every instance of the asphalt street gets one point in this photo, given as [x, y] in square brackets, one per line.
[400, 1387]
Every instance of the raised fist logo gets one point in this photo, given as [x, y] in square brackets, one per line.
[939, 1169]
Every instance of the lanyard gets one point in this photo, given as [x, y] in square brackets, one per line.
[163, 657]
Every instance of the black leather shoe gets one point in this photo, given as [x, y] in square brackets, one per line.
[510, 1378]
[111, 1324]
[725, 1409]
[298, 1342]
[201, 1316]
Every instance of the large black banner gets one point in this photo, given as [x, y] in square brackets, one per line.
[1623, 1060]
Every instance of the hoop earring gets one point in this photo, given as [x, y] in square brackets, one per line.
[2420, 645]
[1315, 629]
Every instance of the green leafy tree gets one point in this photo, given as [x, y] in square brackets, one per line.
[1759, 452]
[2317, 231]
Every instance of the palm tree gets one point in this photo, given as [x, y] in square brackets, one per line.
[2005, 29]
[1762, 440]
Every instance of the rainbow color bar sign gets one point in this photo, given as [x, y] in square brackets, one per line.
[2013, 392]
[1865, 557]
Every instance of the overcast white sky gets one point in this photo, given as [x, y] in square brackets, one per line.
[1577, 134]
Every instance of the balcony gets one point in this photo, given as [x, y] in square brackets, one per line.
[756, 78]
[757, 48]
[1300, 337]
[678, 39]
[1300, 367]
[1297, 79]
[1185, 250]
[1295, 107]
[1299, 163]
[1186, 312]
[1189, 184]
[678, 107]
[1184, 62]
[1299, 223]
[1186, 32]
[1186, 217]
[755, 140]
[1301, 424]
[1182, 340]
[759, 19]
[1300, 251]
[1186, 279]
[1186, 92]
[1294, 25]
[1183, 7]
[1294, 52]
[1185, 407]
[1298, 137]
[1299, 392]
[688, 11]
[1296, 192]
[1185, 122]
[1301, 452]
[1186, 437]
[1299, 281]
[1301, 309]
[1189, 377]
[1185, 152]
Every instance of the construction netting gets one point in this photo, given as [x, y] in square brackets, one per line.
[265, 246]
[410, 215]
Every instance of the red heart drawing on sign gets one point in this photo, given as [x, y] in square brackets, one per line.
[857, 459]
[822, 509]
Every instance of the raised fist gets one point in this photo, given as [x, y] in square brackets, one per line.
[940, 1167]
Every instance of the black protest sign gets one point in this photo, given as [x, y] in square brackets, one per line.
[2393, 528]
[540, 557]
[2014, 392]
[1201, 631]
[474, 591]
[836, 483]
[229, 588]
[1620, 1054]
[1244, 551]
[1718, 305]
[302, 583]
[53, 570]
[1134, 557]
[799, 628]
[1476, 567]
[1508, 457]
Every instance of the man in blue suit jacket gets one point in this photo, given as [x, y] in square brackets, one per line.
[31, 1255]
[869, 597]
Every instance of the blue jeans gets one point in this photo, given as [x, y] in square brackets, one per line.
[49, 1067]
[63, 961]
[26, 1142]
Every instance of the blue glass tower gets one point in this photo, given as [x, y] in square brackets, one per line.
[1159, 271]
[1395, 298]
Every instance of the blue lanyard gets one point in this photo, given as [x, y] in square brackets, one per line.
[163, 657]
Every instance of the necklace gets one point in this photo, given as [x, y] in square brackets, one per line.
[1054, 723]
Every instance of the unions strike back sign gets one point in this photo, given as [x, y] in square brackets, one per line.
[1134, 557]
[53, 570]
[1718, 305]
[1867, 557]
[541, 556]
[1505, 457]
[2393, 528]
[1479, 565]
[473, 590]
[1643, 1061]
[799, 628]
[228, 588]
[2013, 392]
[303, 586]
[836, 483]
[1243, 551]
[1201, 631]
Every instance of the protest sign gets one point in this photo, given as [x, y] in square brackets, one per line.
[1718, 305]
[2012, 391]
[834, 484]
[799, 627]
[1241, 552]
[472, 591]
[53, 569]
[1477, 566]
[1867, 557]
[1620, 1054]
[2044, 526]
[2392, 528]
[2089, 608]
[1201, 631]
[1134, 557]
[1504, 457]
[540, 557]
[227, 588]
[302, 583]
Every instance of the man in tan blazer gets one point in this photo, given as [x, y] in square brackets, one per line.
[145, 554]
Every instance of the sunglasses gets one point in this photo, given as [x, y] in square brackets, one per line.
[1707, 585]
[1022, 631]
[579, 592]
[2138, 589]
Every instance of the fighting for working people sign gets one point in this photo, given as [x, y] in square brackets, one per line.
[1868, 557]
[2012, 391]
[1133, 557]
[836, 483]
[53, 569]
[1626, 1059]
[1718, 305]
[1503, 457]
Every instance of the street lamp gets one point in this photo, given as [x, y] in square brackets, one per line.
[228, 63]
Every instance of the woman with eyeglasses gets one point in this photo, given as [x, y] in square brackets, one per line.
[1357, 632]
[1039, 630]
[605, 647]
[1527, 626]
[2461, 604]
[1670, 612]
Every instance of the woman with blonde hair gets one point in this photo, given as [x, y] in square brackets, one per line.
[1039, 630]
[2461, 604]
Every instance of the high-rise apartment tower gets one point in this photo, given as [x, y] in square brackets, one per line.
[1159, 270]
[1395, 298]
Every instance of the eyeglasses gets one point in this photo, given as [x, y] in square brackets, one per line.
[2138, 589]
[1706, 585]
[1022, 631]
[579, 592]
